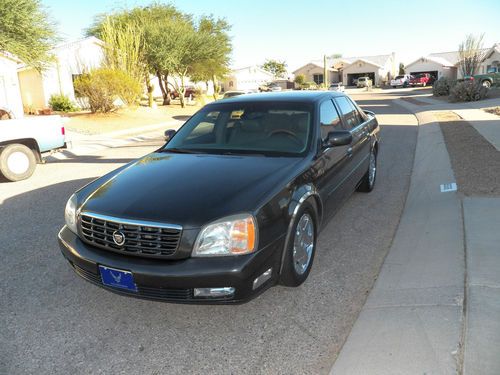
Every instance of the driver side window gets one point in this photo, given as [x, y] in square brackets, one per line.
[329, 118]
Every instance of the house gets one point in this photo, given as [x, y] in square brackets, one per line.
[447, 64]
[380, 68]
[10, 94]
[248, 78]
[70, 60]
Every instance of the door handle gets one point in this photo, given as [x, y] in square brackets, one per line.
[349, 152]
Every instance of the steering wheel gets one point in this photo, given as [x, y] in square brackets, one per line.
[287, 132]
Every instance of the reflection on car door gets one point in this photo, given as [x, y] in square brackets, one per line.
[332, 162]
[357, 124]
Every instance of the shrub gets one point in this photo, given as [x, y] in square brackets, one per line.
[468, 91]
[300, 79]
[103, 86]
[61, 103]
[442, 86]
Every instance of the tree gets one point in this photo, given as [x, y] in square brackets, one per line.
[336, 56]
[300, 79]
[401, 68]
[215, 64]
[26, 32]
[275, 67]
[471, 54]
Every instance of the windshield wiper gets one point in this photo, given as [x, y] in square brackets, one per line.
[181, 151]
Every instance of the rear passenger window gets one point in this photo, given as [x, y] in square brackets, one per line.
[352, 118]
[329, 118]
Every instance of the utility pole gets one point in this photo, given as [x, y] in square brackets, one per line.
[325, 72]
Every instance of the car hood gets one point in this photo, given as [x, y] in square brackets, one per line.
[190, 189]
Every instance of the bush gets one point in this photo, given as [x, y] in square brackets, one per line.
[103, 87]
[300, 79]
[442, 86]
[468, 91]
[61, 103]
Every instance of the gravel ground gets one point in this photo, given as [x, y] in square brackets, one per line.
[475, 162]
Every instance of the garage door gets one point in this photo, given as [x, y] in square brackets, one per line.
[353, 76]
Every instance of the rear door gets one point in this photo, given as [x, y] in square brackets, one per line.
[357, 123]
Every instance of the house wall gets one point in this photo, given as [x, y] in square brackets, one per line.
[10, 95]
[32, 94]
[430, 66]
[246, 79]
[310, 70]
[362, 67]
[493, 60]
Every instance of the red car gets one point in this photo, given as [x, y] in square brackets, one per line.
[190, 92]
[422, 79]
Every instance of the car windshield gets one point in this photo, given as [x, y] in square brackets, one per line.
[362, 79]
[399, 77]
[268, 129]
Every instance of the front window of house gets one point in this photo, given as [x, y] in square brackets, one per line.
[318, 79]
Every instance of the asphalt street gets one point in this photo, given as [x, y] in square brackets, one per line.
[53, 322]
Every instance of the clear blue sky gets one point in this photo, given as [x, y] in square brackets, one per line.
[298, 31]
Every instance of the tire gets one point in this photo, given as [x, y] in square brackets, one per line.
[486, 84]
[368, 181]
[17, 162]
[295, 267]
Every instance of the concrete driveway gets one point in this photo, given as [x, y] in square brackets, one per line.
[53, 322]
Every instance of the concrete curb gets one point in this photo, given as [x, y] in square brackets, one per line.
[412, 320]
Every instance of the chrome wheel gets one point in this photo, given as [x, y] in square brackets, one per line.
[303, 244]
[372, 172]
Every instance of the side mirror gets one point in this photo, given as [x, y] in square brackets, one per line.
[369, 113]
[169, 134]
[338, 138]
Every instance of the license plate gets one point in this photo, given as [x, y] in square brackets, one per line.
[117, 278]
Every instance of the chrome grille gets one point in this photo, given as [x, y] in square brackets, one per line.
[141, 238]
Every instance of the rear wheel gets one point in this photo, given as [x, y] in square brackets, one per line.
[17, 162]
[299, 253]
[486, 84]
[368, 181]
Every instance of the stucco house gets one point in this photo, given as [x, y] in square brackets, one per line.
[70, 60]
[248, 78]
[379, 68]
[447, 64]
[10, 94]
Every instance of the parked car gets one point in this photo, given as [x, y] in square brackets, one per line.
[230, 94]
[401, 81]
[23, 141]
[270, 87]
[422, 79]
[232, 204]
[337, 87]
[189, 93]
[490, 78]
[364, 82]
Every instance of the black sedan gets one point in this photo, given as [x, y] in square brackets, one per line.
[230, 206]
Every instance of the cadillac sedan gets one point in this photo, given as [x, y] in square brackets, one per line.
[231, 205]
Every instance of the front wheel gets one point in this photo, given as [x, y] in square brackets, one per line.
[299, 253]
[368, 181]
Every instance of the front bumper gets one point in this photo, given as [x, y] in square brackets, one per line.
[175, 280]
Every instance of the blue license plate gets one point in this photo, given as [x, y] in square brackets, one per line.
[117, 278]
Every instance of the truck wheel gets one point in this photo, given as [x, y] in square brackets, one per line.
[17, 162]
[486, 84]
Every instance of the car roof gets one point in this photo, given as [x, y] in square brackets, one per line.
[283, 96]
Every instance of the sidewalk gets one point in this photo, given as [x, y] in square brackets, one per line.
[435, 307]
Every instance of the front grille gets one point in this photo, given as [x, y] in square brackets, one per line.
[142, 239]
[164, 294]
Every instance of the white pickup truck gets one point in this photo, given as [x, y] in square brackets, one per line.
[22, 142]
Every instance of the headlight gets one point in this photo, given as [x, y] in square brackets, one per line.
[70, 213]
[232, 235]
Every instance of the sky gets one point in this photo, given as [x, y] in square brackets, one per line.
[300, 31]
